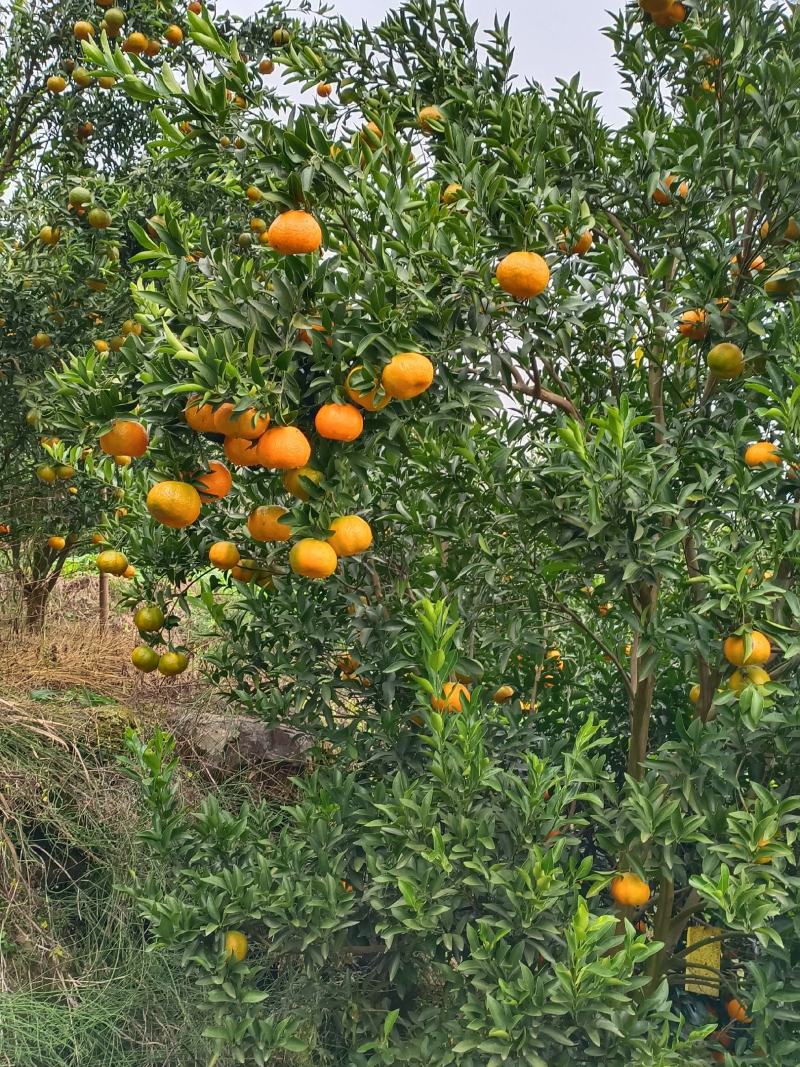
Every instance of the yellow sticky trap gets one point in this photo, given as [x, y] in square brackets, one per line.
[703, 964]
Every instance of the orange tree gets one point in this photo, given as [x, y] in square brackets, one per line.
[68, 155]
[549, 346]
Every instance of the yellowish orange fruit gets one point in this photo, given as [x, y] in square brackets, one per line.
[523, 274]
[125, 438]
[761, 453]
[283, 448]
[406, 375]
[628, 890]
[694, 324]
[350, 535]
[292, 481]
[339, 422]
[174, 504]
[264, 524]
[451, 698]
[760, 652]
[110, 562]
[311, 558]
[223, 555]
[236, 945]
[726, 360]
[295, 233]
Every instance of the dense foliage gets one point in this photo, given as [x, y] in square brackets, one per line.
[570, 508]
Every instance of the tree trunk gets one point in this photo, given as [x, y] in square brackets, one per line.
[103, 599]
[36, 593]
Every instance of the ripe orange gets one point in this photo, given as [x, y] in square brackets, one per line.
[173, 35]
[663, 193]
[264, 524]
[580, 246]
[110, 562]
[148, 619]
[266, 66]
[523, 274]
[790, 232]
[428, 115]
[195, 7]
[293, 481]
[305, 336]
[174, 504]
[503, 694]
[199, 416]
[368, 400]
[629, 890]
[153, 48]
[172, 663]
[312, 558]
[406, 375]
[726, 360]
[295, 233]
[246, 423]
[760, 652]
[236, 945]
[125, 438]
[46, 473]
[654, 7]
[41, 340]
[56, 543]
[129, 572]
[241, 452]
[136, 43]
[694, 324]
[350, 535]
[122, 461]
[371, 133]
[98, 539]
[223, 555]
[145, 659]
[761, 453]
[324, 89]
[83, 31]
[216, 482]
[56, 84]
[451, 698]
[283, 448]
[452, 192]
[674, 14]
[339, 422]
[737, 1012]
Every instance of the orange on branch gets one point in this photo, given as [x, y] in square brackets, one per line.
[762, 453]
[223, 555]
[451, 698]
[350, 535]
[760, 651]
[311, 558]
[241, 451]
[215, 483]
[125, 438]
[199, 416]
[406, 375]
[694, 324]
[111, 562]
[339, 422]
[246, 423]
[295, 233]
[283, 448]
[264, 524]
[628, 890]
[523, 274]
[174, 504]
[293, 481]
[368, 399]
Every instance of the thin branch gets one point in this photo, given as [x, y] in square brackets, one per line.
[545, 395]
[591, 633]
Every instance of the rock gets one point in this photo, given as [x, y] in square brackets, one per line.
[233, 742]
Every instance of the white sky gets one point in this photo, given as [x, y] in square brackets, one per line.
[551, 38]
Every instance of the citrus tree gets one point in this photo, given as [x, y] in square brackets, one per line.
[472, 421]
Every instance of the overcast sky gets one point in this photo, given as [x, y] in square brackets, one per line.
[552, 38]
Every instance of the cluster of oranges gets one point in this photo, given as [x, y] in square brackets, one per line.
[150, 619]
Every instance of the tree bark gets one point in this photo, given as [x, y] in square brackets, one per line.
[102, 589]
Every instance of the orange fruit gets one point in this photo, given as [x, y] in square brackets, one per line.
[761, 453]
[247, 423]
[629, 890]
[153, 48]
[350, 535]
[293, 481]
[694, 324]
[236, 945]
[522, 274]
[305, 336]
[428, 115]
[737, 1012]
[145, 659]
[56, 543]
[110, 562]
[790, 232]
[674, 14]
[324, 89]
[371, 133]
[339, 422]
[312, 558]
[266, 66]
[580, 246]
[173, 35]
[223, 555]
[694, 694]
[295, 233]
[174, 504]
[122, 461]
[450, 700]
[760, 652]
[83, 31]
[216, 482]
[241, 451]
[46, 473]
[406, 375]
[452, 192]
[136, 43]
[283, 448]
[98, 539]
[56, 84]
[264, 524]
[503, 694]
[726, 360]
[172, 663]
[41, 340]
[745, 676]
[663, 193]
[368, 400]
[129, 572]
[654, 7]
[125, 438]
[148, 619]
[199, 416]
